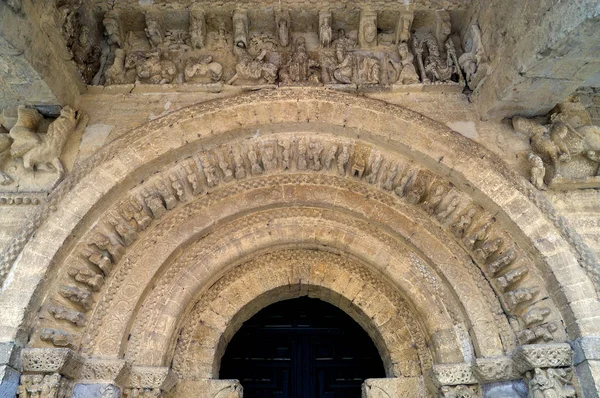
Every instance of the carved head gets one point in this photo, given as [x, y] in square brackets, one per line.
[403, 50]
[370, 32]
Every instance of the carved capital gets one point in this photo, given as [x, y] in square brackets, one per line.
[528, 357]
[452, 374]
[488, 370]
[113, 371]
[151, 377]
[62, 361]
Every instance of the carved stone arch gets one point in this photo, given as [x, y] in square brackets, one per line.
[536, 263]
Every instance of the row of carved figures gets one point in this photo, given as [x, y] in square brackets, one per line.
[357, 58]
[107, 244]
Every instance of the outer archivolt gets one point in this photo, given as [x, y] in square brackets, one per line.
[418, 191]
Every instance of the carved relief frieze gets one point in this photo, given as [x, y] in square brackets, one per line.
[564, 148]
[234, 51]
[31, 147]
[107, 244]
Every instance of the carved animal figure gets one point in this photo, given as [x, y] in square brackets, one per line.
[559, 142]
[202, 69]
[43, 152]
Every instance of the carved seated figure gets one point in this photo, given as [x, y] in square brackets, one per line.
[253, 70]
[405, 69]
[344, 72]
[300, 67]
[149, 67]
[204, 70]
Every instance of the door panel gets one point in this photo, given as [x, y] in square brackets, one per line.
[301, 348]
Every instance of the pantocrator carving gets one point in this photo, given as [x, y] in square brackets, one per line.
[566, 151]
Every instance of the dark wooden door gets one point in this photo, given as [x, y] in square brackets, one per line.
[301, 348]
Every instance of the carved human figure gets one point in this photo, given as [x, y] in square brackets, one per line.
[434, 200]
[325, 33]
[375, 161]
[415, 190]
[210, 172]
[536, 315]
[511, 277]
[283, 32]
[197, 28]
[88, 277]
[269, 160]
[82, 297]
[442, 213]
[302, 150]
[369, 70]
[177, 186]
[104, 244]
[253, 158]
[224, 166]
[240, 29]
[253, 70]
[61, 313]
[462, 224]
[117, 73]
[240, 168]
[558, 143]
[390, 177]
[150, 68]
[480, 234]
[113, 28]
[436, 67]
[285, 145]
[192, 179]
[314, 151]
[154, 203]
[519, 296]
[346, 63]
[203, 69]
[503, 261]
[132, 210]
[169, 199]
[367, 29]
[551, 383]
[537, 172]
[473, 59]
[300, 66]
[125, 231]
[403, 27]
[405, 69]
[329, 156]
[489, 247]
[154, 28]
[343, 160]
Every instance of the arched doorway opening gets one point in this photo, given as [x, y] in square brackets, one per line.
[302, 347]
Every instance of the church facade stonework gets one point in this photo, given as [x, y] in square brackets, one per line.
[204, 160]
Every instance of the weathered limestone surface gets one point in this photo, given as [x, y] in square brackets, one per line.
[543, 51]
[35, 65]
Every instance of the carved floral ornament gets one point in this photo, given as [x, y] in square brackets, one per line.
[94, 276]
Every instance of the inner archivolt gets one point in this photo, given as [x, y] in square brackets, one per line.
[302, 347]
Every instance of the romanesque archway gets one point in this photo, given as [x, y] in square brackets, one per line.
[445, 257]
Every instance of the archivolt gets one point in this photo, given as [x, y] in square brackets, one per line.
[422, 150]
